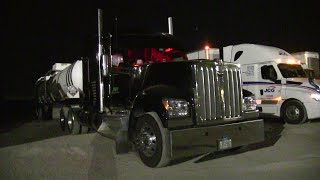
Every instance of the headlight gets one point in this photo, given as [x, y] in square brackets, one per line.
[315, 97]
[249, 103]
[176, 107]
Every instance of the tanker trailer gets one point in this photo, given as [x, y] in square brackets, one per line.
[59, 87]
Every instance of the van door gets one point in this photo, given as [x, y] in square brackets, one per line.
[269, 88]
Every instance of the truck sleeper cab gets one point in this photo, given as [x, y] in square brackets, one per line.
[278, 82]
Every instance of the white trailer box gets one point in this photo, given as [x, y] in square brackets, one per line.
[210, 53]
[278, 81]
[309, 62]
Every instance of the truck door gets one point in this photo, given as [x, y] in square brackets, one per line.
[269, 89]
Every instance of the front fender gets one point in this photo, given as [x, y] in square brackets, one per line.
[150, 100]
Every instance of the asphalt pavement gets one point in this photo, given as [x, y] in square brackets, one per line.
[40, 150]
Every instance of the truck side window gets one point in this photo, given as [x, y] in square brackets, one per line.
[268, 72]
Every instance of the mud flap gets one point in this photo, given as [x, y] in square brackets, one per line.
[116, 127]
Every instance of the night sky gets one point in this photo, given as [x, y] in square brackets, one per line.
[36, 35]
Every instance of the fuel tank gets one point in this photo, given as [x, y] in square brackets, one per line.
[64, 81]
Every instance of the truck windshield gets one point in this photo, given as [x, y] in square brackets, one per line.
[291, 70]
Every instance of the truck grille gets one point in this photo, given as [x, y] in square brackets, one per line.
[218, 96]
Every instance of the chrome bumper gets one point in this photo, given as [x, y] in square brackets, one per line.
[194, 141]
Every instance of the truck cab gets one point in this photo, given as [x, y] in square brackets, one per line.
[278, 80]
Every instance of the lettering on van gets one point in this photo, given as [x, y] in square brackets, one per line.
[270, 89]
[282, 53]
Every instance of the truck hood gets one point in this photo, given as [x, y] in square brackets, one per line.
[310, 83]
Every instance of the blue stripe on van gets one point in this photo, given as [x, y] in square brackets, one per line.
[246, 83]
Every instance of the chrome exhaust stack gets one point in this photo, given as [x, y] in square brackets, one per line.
[170, 25]
[102, 61]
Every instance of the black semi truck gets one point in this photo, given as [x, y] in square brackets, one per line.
[147, 96]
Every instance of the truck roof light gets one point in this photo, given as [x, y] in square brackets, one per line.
[206, 47]
[168, 50]
[288, 61]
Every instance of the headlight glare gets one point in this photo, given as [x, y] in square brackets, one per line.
[249, 103]
[176, 107]
[315, 97]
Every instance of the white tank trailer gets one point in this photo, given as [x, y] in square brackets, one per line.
[62, 83]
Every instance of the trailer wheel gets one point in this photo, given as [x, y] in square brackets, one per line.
[73, 124]
[62, 120]
[149, 142]
[294, 112]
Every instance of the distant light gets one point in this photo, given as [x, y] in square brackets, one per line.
[288, 61]
[277, 99]
[206, 47]
[168, 50]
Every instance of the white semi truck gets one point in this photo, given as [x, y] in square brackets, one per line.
[309, 62]
[278, 80]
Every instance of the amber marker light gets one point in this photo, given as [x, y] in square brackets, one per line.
[165, 104]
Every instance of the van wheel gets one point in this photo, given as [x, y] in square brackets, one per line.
[294, 112]
[149, 142]
[73, 124]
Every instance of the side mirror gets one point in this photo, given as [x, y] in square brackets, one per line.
[218, 61]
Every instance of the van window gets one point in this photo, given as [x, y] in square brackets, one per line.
[291, 70]
[268, 72]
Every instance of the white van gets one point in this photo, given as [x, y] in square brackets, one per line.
[278, 81]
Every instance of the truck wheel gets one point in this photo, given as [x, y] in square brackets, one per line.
[62, 120]
[73, 124]
[150, 142]
[294, 112]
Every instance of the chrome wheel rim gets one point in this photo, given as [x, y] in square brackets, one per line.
[62, 120]
[147, 140]
[70, 122]
[293, 112]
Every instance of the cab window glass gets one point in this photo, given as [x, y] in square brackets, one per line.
[268, 72]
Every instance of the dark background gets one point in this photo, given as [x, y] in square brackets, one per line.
[36, 34]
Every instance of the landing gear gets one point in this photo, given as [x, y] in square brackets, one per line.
[43, 112]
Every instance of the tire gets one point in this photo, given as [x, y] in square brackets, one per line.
[84, 129]
[150, 141]
[294, 112]
[73, 124]
[62, 119]
[96, 121]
